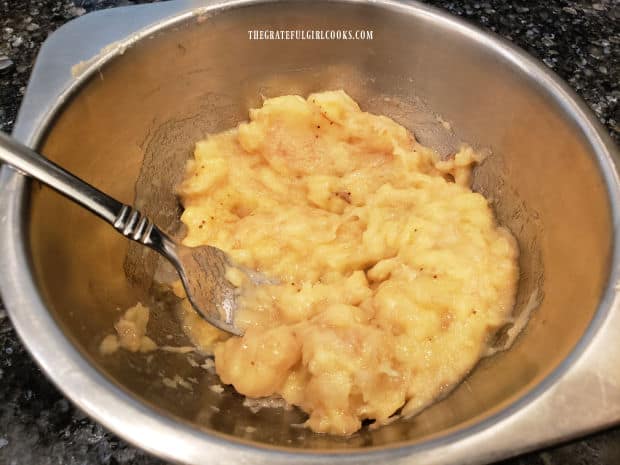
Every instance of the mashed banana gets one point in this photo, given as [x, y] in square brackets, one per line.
[130, 332]
[392, 272]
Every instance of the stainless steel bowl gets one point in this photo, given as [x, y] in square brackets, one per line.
[178, 70]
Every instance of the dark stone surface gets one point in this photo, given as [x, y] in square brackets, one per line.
[38, 426]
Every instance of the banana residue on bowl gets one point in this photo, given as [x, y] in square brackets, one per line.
[393, 275]
[130, 335]
[130, 332]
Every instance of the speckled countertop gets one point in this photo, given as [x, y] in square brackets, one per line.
[579, 40]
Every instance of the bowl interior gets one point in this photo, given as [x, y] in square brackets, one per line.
[130, 128]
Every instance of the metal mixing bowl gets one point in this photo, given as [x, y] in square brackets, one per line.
[129, 119]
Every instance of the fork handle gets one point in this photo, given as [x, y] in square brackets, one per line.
[125, 219]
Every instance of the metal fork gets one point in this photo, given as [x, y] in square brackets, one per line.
[201, 269]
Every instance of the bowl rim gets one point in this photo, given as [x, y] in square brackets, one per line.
[168, 437]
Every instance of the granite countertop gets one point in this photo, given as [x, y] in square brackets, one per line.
[579, 40]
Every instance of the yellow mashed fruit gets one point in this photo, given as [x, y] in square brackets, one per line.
[130, 332]
[391, 274]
